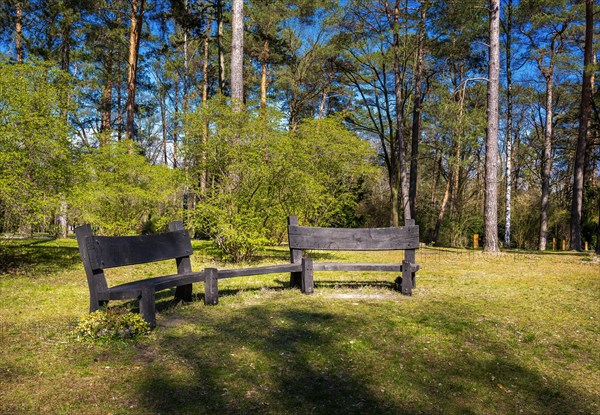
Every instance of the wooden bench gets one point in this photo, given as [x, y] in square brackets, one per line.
[101, 252]
[301, 268]
[302, 238]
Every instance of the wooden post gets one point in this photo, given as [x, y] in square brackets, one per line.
[211, 286]
[564, 245]
[184, 265]
[585, 245]
[148, 305]
[554, 244]
[295, 257]
[476, 241]
[308, 286]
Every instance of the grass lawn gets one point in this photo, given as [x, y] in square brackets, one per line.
[517, 333]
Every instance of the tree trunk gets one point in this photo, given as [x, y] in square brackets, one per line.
[399, 152]
[416, 116]
[19, 31]
[237, 55]
[546, 163]
[440, 218]
[220, 47]
[106, 105]
[163, 119]
[203, 171]
[119, 119]
[135, 31]
[63, 225]
[584, 116]
[509, 126]
[491, 153]
[176, 124]
[263, 75]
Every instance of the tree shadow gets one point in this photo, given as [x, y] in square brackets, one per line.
[273, 370]
[298, 359]
[31, 259]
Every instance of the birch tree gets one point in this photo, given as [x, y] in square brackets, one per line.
[237, 54]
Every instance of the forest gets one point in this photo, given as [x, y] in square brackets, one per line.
[127, 114]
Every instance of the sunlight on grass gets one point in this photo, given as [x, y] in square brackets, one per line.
[512, 333]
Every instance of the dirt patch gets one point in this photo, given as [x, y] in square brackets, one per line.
[361, 296]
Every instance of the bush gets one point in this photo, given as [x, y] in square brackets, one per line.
[111, 324]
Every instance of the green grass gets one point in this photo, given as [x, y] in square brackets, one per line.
[508, 334]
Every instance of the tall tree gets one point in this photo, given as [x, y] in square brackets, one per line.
[135, 31]
[19, 31]
[585, 109]
[545, 24]
[399, 155]
[237, 54]
[508, 28]
[417, 108]
[491, 152]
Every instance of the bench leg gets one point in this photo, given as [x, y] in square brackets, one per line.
[407, 278]
[97, 305]
[307, 286]
[211, 286]
[184, 293]
[148, 305]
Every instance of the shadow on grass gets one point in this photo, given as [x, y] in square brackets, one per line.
[296, 359]
[33, 258]
[260, 366]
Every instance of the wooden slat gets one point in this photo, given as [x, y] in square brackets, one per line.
[269, 269]
[134, 289]
[369, 239]
[117, 251]
[337, 266]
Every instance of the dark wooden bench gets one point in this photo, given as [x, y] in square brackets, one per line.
[302, 238]
[101, 252]
[301, 268]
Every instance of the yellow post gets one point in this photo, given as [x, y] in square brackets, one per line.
[476, 241]
[564, 245]
[586, 245]
[554, 244]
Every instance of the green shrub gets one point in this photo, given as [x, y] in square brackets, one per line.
[111, 324]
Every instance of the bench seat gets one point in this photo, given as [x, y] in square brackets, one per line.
[134, 289]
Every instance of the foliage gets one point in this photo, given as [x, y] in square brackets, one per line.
[119, 191]
[259, 174]
[111, 324]
[35, 152]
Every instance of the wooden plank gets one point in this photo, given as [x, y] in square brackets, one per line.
[369, 239]
[268, 269]
[116, 251]
[347, 266]
[134, 289]
[340, 266]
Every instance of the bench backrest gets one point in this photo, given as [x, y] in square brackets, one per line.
[102, 252]
[361, 239]
[117, 251]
